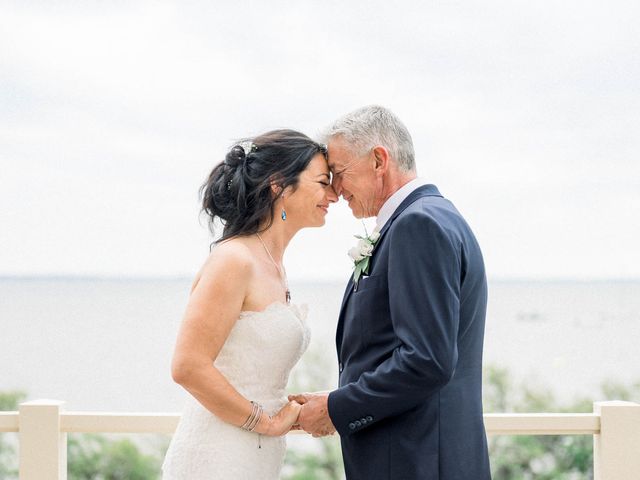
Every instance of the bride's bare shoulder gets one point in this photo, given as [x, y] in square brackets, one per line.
[234, 249]
[233, 257]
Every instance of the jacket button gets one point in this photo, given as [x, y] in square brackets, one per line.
[369, 418]
[363, 420]
[358, 423]
[352, 426]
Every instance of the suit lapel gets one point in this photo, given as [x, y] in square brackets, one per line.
[339, 328]
[347, 292]
[423, 191]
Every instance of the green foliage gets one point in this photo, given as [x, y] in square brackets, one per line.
[9, 401]
[8, 455]
[94, 457]
[542, 457]
[615, 391]
[325, 464]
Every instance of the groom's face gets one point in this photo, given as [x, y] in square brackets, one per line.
[353, 177]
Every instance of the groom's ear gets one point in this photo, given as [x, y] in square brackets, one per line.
[381, 155]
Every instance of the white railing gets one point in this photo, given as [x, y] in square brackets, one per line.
[43, 425]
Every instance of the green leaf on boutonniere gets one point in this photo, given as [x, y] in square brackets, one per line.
[365, 265]
[361, 267]
[357, 271]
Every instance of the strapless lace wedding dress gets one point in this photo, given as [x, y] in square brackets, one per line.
[257, 357]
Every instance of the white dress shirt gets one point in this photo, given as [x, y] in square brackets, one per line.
[394, 201]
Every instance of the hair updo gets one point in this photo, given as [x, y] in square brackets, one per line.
[238, 190]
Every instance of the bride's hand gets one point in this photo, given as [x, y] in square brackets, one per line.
[284, 420]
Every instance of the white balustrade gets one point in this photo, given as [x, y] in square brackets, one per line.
[43, 445]
[43, 426]
[616, 447]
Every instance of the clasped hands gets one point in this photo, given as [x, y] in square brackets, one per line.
[314, 414]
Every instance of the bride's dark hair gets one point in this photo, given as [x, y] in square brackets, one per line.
[238, 190]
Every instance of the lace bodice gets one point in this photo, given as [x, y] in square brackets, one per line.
[256, 359]
[261, 350]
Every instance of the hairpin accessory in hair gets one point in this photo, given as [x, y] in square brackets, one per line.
[248, 147]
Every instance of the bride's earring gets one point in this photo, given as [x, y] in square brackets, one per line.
[283, 215]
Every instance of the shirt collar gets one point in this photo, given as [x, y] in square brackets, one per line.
[394, 201]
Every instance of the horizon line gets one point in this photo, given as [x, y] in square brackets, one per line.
[175, 277]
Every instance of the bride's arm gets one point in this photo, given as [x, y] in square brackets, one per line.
[214, 306]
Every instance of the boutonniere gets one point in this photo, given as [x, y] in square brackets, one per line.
[361, 253]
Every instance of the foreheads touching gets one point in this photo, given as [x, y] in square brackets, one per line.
[371, 126]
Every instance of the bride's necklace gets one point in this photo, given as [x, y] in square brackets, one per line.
[283, 277]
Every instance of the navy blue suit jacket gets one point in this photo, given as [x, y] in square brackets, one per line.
[409, 341]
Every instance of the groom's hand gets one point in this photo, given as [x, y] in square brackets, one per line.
[314, 416]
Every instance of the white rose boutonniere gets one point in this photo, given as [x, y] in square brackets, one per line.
[361, 254]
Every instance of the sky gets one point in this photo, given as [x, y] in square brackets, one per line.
[524, 114]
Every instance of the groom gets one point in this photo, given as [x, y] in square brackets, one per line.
[411, 328]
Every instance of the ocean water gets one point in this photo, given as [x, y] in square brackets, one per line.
[107, 344]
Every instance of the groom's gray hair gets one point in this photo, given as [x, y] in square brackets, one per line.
[374, 125]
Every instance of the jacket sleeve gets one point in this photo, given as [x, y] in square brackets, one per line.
[424, 290]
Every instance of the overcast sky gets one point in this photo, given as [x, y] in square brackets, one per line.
[524, 114]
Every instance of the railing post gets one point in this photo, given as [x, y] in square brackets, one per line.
[616, 449]
[43, 447]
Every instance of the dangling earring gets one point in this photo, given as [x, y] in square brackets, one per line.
[283, 215]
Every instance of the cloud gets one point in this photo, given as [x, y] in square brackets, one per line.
[524, 114]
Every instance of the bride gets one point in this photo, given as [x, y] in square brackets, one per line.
[240, 335]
